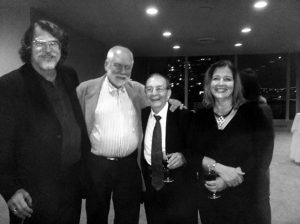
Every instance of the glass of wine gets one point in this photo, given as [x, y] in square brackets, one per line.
[167, 176]
[209, 175]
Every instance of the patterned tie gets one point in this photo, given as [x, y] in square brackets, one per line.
[157, 156]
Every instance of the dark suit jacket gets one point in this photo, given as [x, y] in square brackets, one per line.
[177, 125]
[31, 135]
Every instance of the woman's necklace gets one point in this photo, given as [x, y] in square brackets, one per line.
[221, 118]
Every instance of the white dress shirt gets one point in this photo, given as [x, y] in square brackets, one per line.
[149, 132]
[115, 132]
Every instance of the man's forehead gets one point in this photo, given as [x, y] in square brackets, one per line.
[119, 54]
[41, 34]
[156, 81]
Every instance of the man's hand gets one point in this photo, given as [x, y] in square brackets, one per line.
[232, 176]
[175, 160]
[174, 104]
[20, 204]
[215, 185]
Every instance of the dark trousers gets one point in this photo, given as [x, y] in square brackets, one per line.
[119, 179]
[173, 204]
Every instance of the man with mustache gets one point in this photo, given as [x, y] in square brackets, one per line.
[112, 107]
[43, 136]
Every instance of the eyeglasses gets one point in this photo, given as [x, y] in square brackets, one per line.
[120, 67]
[40, 44]
[157, 89]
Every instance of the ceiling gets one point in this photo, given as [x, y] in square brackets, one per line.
[200, 27]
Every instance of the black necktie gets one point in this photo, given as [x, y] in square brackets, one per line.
[157, 156]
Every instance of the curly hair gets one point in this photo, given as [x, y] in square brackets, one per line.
[237, 95]
[53, 29]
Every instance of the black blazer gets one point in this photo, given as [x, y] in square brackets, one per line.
[31, 135]
[176, 129]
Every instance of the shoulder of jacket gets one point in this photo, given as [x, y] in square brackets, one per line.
[91, 82]
[135, 84]
[12, 81]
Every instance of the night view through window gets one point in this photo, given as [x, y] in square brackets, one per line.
[271, 70]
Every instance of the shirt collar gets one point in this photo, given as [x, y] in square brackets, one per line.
[162, 113]
[112, 89]
[44, 81]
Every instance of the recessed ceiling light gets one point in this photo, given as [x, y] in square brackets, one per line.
[260, 4]
[246, 30]
[176, 47]
[238, 44]
[152, 11]
[167, 34]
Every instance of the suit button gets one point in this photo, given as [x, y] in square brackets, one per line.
[58, 136]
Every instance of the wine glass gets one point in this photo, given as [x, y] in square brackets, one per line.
[209, 175]
[166, 170]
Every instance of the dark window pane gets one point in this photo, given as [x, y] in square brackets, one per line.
[271, 70]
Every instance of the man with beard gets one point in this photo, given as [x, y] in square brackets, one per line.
[111, 105]
[43, 137]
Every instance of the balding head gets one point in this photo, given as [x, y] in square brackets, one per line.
[119, 51]
[118, 65]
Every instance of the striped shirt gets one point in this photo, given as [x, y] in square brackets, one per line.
[115, 132]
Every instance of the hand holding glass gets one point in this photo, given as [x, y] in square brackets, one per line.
[167, 177]
[210, 175]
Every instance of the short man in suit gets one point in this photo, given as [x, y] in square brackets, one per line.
[43, 139]
[165, 202]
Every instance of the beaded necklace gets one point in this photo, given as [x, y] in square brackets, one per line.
[222, 118]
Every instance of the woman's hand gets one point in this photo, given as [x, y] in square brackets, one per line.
[232, 176]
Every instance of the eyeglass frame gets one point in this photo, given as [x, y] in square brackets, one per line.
[40, 44]
[120, 67]
[158, 89]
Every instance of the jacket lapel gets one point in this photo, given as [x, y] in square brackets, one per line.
[91, 102]
[145, 115]
[170, 128]
[34, 88]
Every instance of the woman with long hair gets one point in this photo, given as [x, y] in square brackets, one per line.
[231, 138]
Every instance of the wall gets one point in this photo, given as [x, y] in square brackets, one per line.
[13, 23]
[86, 55]
[297, 66]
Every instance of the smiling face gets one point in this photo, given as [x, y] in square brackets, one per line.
[222, 83]
[46, 51]
[157, 92]
[118, 66]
